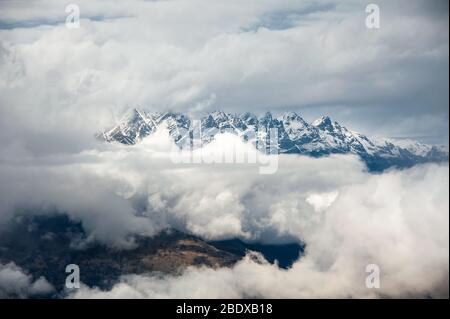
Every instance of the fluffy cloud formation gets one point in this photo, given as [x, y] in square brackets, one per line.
[17, 284]
[388, 220]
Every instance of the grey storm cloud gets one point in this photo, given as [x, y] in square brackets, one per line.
[347, 217]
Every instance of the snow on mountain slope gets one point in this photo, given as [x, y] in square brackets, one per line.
[295, 136]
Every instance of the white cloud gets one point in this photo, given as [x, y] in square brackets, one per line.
[397, 220]
[321, 202]
[103, 188]
[388, 220]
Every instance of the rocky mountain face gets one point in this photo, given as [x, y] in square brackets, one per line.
[294, 135]
[44, 245]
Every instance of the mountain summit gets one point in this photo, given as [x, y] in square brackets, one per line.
[295, 136]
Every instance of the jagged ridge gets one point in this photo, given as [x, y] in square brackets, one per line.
[295, 136]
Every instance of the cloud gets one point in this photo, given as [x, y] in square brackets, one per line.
[387, 220]
[15, 283]
[347, 217]
[120, 191]
[321, 202]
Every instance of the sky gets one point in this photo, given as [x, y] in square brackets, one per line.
[317, 58]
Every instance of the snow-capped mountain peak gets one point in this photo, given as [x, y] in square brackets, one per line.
[295, 136]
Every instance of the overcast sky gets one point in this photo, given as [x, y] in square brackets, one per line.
[59, 85]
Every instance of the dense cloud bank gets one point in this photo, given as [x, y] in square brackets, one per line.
[397, 220]
[347, 217]
[121, 191]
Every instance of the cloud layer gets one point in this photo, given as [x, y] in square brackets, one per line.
[347, 217]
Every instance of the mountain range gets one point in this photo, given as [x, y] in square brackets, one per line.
[295, 136]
